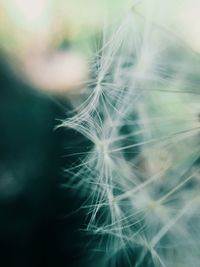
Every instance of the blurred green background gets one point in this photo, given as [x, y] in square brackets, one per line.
[51, 21]
[31, 30]
[25, 21]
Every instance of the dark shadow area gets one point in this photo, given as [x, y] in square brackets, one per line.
[34, 228]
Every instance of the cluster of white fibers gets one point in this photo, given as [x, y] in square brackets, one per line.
[141, 177]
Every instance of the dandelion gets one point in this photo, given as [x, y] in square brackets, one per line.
[141, 176]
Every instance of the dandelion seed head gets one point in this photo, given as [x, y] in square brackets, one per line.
[141, 114]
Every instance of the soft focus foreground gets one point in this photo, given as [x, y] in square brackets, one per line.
[48, 39]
